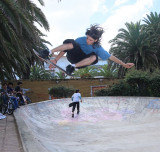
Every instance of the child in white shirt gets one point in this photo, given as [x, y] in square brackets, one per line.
[76, 97]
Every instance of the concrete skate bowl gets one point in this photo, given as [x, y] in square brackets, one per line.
[105, 124]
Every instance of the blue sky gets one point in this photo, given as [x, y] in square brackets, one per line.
[71, 18]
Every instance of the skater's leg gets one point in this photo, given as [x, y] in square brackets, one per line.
[86, 61]
[78, 107]
[63, 47]
[73, 108]
[72, 114]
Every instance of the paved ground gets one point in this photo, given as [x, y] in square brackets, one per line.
[9, 137]
[105, 124]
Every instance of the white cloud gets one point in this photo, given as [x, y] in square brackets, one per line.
[70, 18]
[122, 15]
[119, 2]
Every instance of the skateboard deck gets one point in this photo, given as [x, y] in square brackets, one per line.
[49, 62]
[71, 104]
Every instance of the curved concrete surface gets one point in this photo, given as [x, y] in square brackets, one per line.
[105, 124]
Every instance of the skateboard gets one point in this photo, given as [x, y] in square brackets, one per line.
[49, 62]
[71, 104]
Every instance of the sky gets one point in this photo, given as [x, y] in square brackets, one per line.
[69, 19]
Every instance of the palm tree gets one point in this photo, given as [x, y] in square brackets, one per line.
[35, 15]
[152, 27]
[133, 45]
[19, 36]
[107, 71]
[84, 72]
[60, 75]
[39, 73]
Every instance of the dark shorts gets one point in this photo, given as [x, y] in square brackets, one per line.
[76, 55]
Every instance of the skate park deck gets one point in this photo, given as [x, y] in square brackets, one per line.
[105, 124]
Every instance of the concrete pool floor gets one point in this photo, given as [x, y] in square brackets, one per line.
[105, 124]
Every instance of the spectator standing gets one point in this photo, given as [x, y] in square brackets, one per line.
[76, 97]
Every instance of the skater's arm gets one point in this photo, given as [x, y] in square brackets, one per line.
[80, 98]
[56, 59]
[126, 65]
[59, 56]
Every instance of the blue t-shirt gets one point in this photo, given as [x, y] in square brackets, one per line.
[98, 50]
[9, 90]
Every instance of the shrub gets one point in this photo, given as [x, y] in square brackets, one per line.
[136, 83]
[155, 84]
[60, 75]
[61, 91]
[139, 80]
[86, 75]
[120, 89]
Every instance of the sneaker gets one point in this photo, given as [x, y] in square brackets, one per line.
[77, 112]
[44, 54]
[72, 115]
[69, 69]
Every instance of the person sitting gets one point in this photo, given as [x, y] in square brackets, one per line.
[11, 93]
[4, 94]
[19, 93]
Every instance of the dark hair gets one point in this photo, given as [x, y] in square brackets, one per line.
[95, 31]
[77, 91]
[4, 84]
[10, 83]
[18, 83]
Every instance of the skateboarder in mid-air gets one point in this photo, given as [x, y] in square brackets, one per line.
[83, 51]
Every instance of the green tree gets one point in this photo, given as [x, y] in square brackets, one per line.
[39, 73]
[107, 71]
[19, 36]
[133, 45]
[152, 27]
[60, 75]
